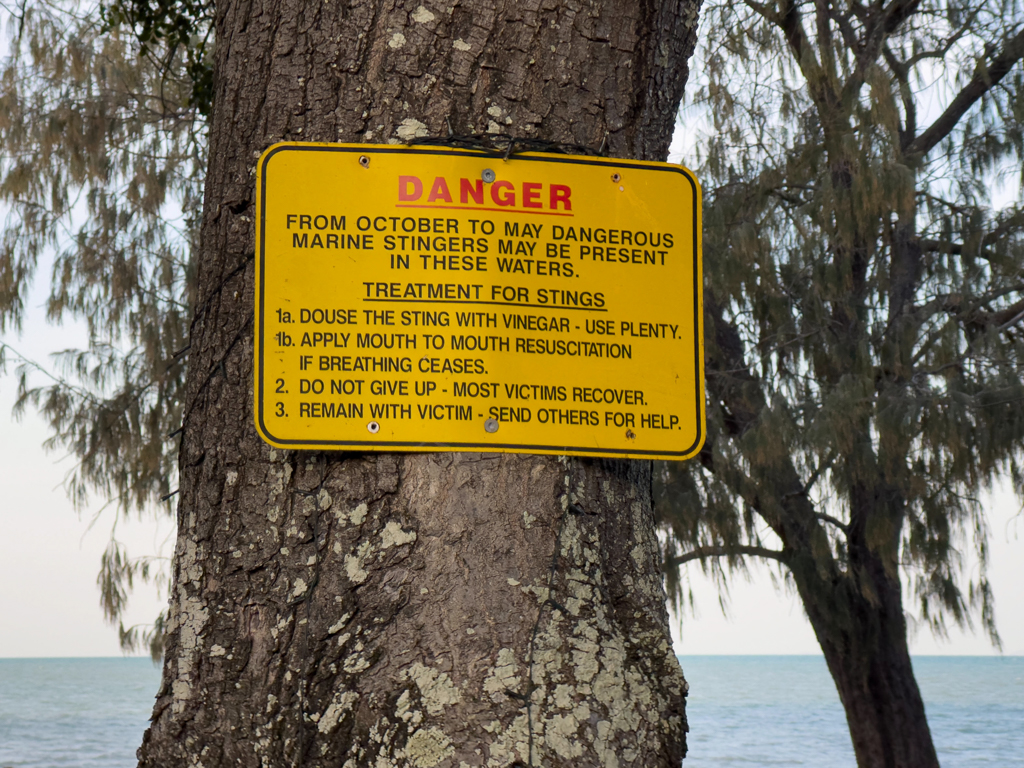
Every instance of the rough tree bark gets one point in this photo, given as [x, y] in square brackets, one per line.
[863, 635]
[421, 610]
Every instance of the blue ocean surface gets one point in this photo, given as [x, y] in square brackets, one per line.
[86, 713]
[784, 711]
[743, 711]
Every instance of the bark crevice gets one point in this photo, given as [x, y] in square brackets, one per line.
[352, 609]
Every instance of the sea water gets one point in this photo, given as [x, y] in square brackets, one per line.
[743, 710]
[85, 713]
[784, 710]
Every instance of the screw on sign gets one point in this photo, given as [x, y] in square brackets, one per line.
[429, 298]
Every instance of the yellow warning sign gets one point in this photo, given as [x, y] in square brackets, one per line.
[427, 298]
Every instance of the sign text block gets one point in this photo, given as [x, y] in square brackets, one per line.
[426, 298]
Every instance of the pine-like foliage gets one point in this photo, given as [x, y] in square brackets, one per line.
[101, 166]
[864, 296]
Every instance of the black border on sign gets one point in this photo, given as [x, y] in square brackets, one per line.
[484, 447]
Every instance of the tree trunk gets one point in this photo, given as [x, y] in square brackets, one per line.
[856, 609]
[860, 625]
[883, 704]
[429, 609]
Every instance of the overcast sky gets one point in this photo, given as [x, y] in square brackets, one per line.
[49, 555]
[49, 602]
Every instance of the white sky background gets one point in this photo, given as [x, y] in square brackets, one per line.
[764, 620]
[49, 555]
[49, 601]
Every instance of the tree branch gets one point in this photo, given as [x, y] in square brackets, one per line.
[834, 521]
[818, 470]
[950, 41]
[984, 78]
[896, 13]
[940, 246]
[790, 515]
[877, 31]
[846, 29]
[968, 308]
[902, 73]
[789, 21]
[1010, 225]
[763, 11]
[1016, 318]
[737, 550]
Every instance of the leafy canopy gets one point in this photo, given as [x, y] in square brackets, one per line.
[102, 152]
[178, 33]
[863, 288]
[863, 253]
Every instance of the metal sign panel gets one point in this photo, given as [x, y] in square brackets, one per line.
[427, 298]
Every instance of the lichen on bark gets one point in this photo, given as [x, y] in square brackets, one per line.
[422, 609]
